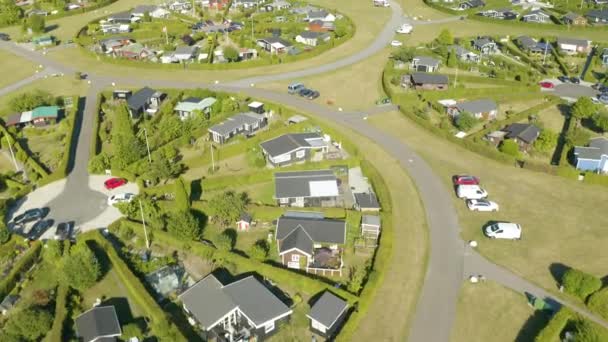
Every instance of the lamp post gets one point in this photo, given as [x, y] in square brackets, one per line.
[143, 220]
[147, 145]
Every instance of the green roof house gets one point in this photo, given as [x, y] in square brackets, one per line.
[42, 116]
[43, 40]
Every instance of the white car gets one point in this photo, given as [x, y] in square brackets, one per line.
[471, 192]
[405, 28]
[482, 205]
[396, 43]
[120, 198]
[503, 230]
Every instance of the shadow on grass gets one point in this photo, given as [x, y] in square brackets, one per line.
[557, 270]
[533, 326]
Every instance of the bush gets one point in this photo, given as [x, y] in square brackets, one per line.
[259, 251]
[552, 331]
[509, 147]
[465, 121]
[598, 303]
[580, 284]
[224, 242]
[29, 101]
[5, 235]
[19, 268]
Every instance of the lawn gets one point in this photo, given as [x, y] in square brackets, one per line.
[110, 288]
[490, 312]
[6, 164]
[47, 144]
[558, 216]
[14, 68]
[552, 118]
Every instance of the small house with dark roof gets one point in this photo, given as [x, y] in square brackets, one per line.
[463, 54]
[463, 6]
[573, 46]
[424, 64]
[575, 19]
[424, 81]
[319, 15]
[244, 222]
[593, 157]
[523, 134]
[98, 324]
[121, 18]
[166, 280]
[370, 226]
[314, 188]
[537, 16]
[604, 57]
[244, 310]
[327, 315]
[485, 45]
[8, 303]
[310, 243]
[144, 100]
[243, 123]
[366, 201]
[292, 148]
[481, 109]
[597, 16]
[39, 116]
[275, 45]
[312, 38]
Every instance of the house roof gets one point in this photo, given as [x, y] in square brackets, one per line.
[185, 50]
[13, 119]
[367, 200]
[475, 3]
[303, 232]
[287, 143]
[8, 302]
[525, 132]
[120, 16]
[596, 149]
[192, 104]
[601, 14]
[100, 321]
[371, 220]
[426, 78]
[235, 122]
[572, 41]
[312, 35]
[209, 300]
[424, 60]
[526, 42]
[316, 183]
[166, 279]
[327, 309]
[274, 40]
[45, 112]
[135, 48]
[480, 42]
[317, 14]
[141, 9]
[477, 106]
[139, 99]
[459, 50]
[537, 12]
[572, 16]
[245, 217]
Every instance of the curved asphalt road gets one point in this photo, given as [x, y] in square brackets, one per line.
[450, 260]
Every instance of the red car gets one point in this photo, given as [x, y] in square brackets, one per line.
[547, 85]
[114, 183]
[465, 180]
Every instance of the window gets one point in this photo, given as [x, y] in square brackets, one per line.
[295, 257]
[269, 327]
[300, 154]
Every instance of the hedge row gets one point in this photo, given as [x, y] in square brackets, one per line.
[598, 303]
[556, 325]
[95, 143]
[137, 290]
[22, 154]
[559, 61]
[515, 51]
[19, 268]
[61, 313]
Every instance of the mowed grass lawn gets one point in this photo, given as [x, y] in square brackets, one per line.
[490, 312]
[14, 68]
[109, 287]
[561, 219]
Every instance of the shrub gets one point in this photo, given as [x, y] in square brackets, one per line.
[5, 235]
[552, 331]
[465, 121]
[509, 147]
[580, 284]
[224, 242]
[598, 303]
[259, 251]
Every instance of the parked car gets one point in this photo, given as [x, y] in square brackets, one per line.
[575, 80]
[4, 36]
[114, 183]
[546, 85]
[29, 216]
[603, 98]
[482, 205]
[313, 95]
[471, 192]
[63, 231]
[120, 198]
[564, 79]
[465, 180]
[503, 230]
[39, 228]
[396, 43]
[294, 87]
[405, 28]
[304, 92]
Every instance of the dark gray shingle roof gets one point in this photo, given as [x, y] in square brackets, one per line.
[138, 100]
[367, 200]
[477, 106]
[287, 143]
[235, 122]
[573, 41]
[597, 147]
[424, 60]
[98, 322]
[302, 233]
[327, 309]
[425, 78]
[524, 132]
[298, 183]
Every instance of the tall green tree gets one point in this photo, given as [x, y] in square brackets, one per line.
[36, 23]
[404, 54]
[445, 38]
[546, 141]
[184, 225]
[600, 120]
[227, 207]
[31, 100]
[10, 13]
[465, 121]
[583, 108]
[452, 60]
[29, 324]
[127, 147]
[509, 147]
[81, 268]
[231, 54]
[182, 195]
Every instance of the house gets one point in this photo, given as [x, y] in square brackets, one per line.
[463, 6]
[71, 7]
[277, 5]
[597, 16]
[134, 51]
[424, 81]
[122, 18]
[523, 134]
[303, 10]
[526, 43]
[318, 188]
[144, 100]
[366, 201]
[593, 157]
[166, 280]
[35, 11]
[39, 116]
[463, 54]
[185, 53]
[381, 3]
[180, 6]
[256, 107]
[604, 57]
[98, 324]
[111, 45]
[113, 28]
[244, 222]
[243, 123]
[118, 95]
[536, 16]
[321, 26]
[274, 45]
[502, 14]
[312, 38]
[320, 15]
[8, 303]
[306, 242]
[327, 315]
[43, 40]
[370, 226]
[363, 194]
[247, 54]
[156, 12]
[292, 148]
[573, 46]
[480, 109]
[186, 108]
[424, 64]
[246, 4]
[485, 45]
[244, 310]
[576, 19]
[216, 4]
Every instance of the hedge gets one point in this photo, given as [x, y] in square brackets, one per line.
[137, 290]
[515, 51]
[95, 143]
[551, 333]
[22, 154]
[559, 61]
[19, 268]
[61, 313]
[580, 284]
[598, 303]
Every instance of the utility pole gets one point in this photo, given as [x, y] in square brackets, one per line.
[545, 55]
[147, 145]
[141, 209]
[212, 159]
[252, 38]
[10, 147]
[456, 78]
[166, 35]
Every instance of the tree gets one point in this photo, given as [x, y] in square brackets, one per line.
[403, 54]
[580, 284]
[600, 120]
[182, 195]
[465, 121]
[356, 277]
[81, 268]
[259, 250]
[510, 147]
[5, 234]
[162, 168]
[184, 225]
[255, 157]
[583, 108]
[29, 324]
[231, 54]
[53, 250]
[99, 163]
[588, 332]
[41, 297]
[29, 101]
[132, 330]
[10, 13]
[452, 60]
[341, 29]
[147, 18]
[227, 207]
[546, 141]
[225, 241]
[36, 23]
[127, 148]
[445, 38]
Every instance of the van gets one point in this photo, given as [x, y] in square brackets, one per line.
[471, 192]
[294, 88]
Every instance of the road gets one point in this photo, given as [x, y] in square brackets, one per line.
[450, 260]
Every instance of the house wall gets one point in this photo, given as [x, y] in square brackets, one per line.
[287, 258]
[431, 86]
[587, 165]
[261, 333]
[292, 158]
[331, 332]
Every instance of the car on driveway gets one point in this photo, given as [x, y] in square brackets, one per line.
[4, 36]
[546, 85]
[482, 205]
[114, 183]
[295, 87]
[564, 79]
[39, 228]
[120, 198]
[313, 95]
[575, 80]
[396, 43]
[29, 216]
[63, 231]
[603, 98]
[503, 230]
[465, 180]
[471, 192]
[304, 92]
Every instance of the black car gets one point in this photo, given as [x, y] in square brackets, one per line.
[64, 230]
[313, 95]
[29, 216]
[4, 36]
[304, 92]
[575, 80]
[564, 79]
[39, 228]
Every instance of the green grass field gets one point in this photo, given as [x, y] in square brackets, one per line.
[109, 287]
[489, 312]
[13, 68]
